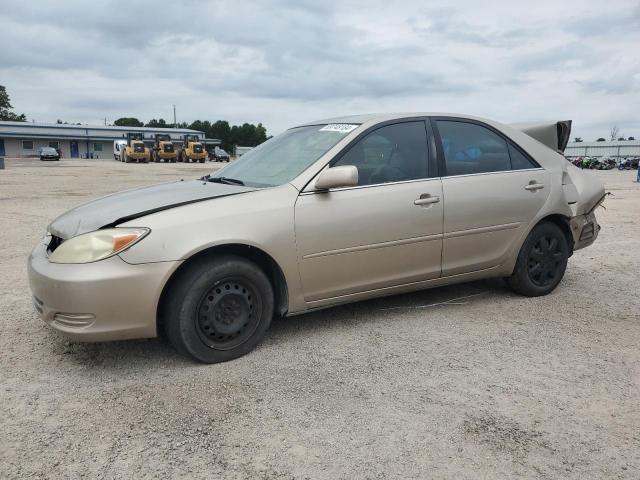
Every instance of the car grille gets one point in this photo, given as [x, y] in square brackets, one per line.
[168, 148]
[138, 149]
[197, 148]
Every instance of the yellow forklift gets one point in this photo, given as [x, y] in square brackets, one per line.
[192, 150]
[163, 149]
[135, 149]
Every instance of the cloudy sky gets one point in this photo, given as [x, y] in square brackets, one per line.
[281, 62]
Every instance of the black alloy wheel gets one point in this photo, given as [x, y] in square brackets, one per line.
[545, 260]
[542, 261]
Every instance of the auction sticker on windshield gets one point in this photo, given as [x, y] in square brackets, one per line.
[339, 127]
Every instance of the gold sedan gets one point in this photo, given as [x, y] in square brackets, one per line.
[326, 213]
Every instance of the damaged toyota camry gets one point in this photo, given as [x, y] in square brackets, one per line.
[328, 212]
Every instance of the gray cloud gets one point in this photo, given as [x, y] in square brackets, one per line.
[286, 61]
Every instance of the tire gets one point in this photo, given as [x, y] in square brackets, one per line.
[218, 309]
[541, 262]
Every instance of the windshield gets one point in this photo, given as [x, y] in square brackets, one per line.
[284, 157]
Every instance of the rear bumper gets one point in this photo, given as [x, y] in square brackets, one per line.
[105, 300]
[584, 229]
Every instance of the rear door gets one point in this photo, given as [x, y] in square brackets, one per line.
[492, 191]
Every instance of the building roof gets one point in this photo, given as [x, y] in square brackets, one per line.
[110, 128]
[606, 144]
[86, 132]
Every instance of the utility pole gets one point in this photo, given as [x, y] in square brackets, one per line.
[105, 121]
[174, 117]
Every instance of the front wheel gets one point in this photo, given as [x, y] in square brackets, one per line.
[218, 309]
[541, 262]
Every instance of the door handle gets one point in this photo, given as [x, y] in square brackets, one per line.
[533, 186]
[426, 199]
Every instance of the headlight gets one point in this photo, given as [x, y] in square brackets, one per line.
[98, 245]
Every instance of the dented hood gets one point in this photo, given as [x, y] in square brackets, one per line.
[121, 207]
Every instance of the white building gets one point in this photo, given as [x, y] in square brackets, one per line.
[23, 139]
[617, 148]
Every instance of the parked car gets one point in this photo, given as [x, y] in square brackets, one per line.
[49, 153]
[218, 155]
[119, 147]
[329, 212]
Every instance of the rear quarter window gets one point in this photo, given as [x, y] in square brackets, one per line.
[519, 161]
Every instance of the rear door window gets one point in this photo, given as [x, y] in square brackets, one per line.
[470, 148]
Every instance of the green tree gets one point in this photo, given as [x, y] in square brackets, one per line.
[128, 122]
[221, 130]
[160, 123]
[600, 140]
[577, 139]
[5, 108]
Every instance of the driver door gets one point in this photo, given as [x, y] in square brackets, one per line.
[385, 232]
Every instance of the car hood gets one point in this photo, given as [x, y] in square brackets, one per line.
[121, 207]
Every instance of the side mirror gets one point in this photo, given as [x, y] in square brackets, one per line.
[336, 177]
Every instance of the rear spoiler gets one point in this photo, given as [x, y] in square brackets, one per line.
[554, 135]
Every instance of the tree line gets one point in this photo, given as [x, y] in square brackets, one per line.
[245, 135]
[6, 113]
[614, 134]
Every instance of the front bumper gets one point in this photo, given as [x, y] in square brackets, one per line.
[105, 300]
[584, 229]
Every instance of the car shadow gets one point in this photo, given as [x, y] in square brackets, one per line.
[156, 353]
[368, 311]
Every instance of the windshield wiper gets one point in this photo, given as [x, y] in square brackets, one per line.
[226, 180]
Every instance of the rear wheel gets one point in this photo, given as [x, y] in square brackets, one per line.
[219, 309]
[541, 262]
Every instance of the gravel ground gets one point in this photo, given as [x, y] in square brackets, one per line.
[470, 381]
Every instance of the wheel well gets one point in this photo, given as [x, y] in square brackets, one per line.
[563, 223]
[268, 265]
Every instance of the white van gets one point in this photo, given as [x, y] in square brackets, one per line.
[118, 147]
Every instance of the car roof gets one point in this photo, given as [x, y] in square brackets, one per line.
[383, 117]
